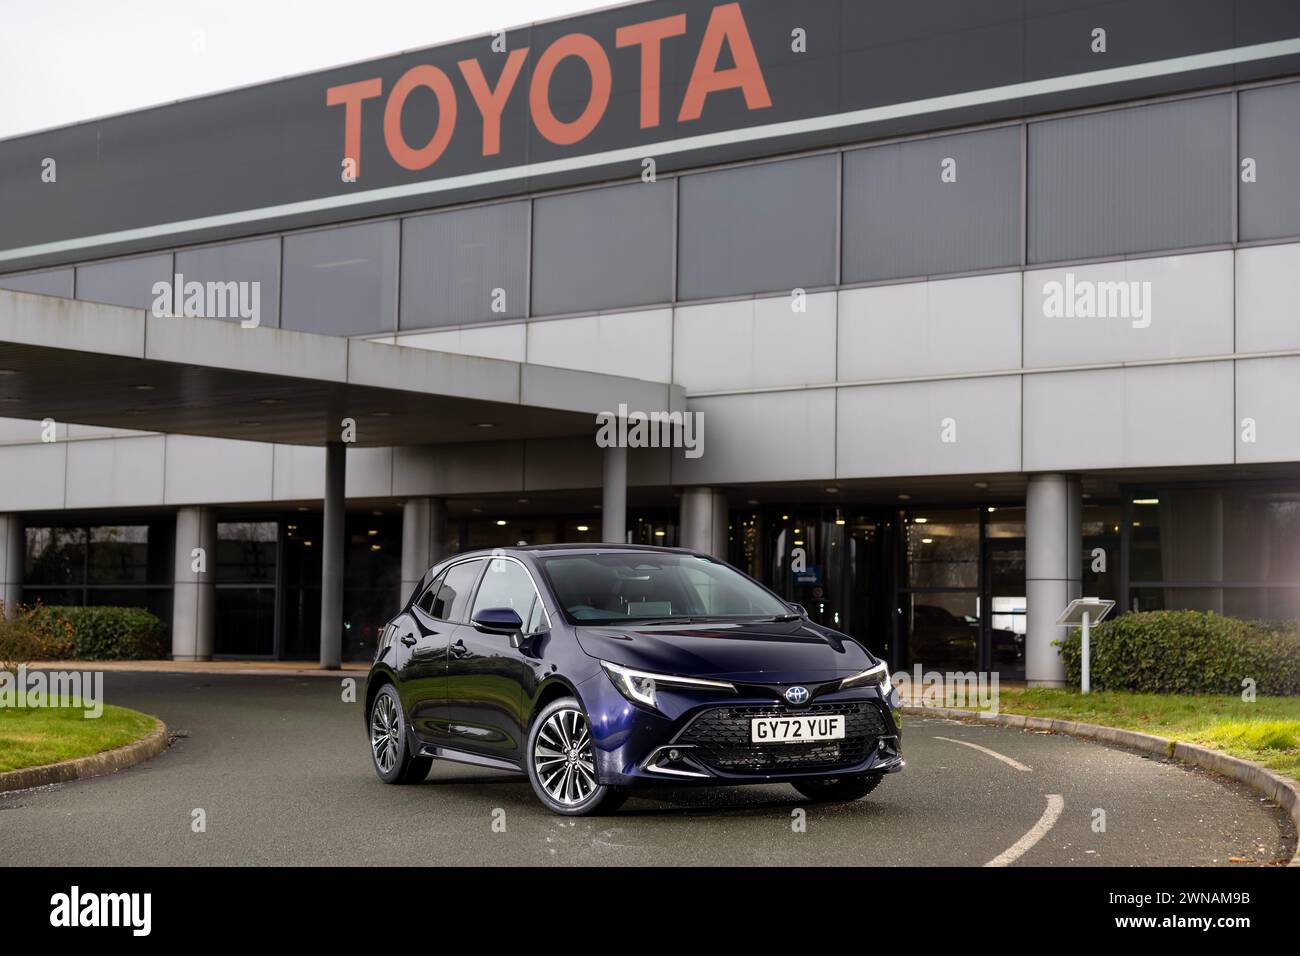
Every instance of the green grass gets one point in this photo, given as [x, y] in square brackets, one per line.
[1267, 731]
[32, 736]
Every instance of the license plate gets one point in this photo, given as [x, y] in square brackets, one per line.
[796, 730]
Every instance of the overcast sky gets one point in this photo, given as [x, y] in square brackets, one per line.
[62, 61]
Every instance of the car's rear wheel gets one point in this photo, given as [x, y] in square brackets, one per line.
[562, 762]
[390, 750]
[838, 789]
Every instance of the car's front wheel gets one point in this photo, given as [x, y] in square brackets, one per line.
[838, 789]
[562, 762]
[390, 751]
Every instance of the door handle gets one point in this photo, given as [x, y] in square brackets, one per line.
[408, 640]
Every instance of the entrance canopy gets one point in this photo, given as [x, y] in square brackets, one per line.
[89, 364]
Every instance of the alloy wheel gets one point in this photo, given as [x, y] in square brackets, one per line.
[385, 729]
[563, 758]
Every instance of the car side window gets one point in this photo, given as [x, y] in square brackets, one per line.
[452, 597]
[506, 584]
[425, 603]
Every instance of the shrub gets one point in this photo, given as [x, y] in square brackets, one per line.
[99, 633]
[32, 636]
[1188, 652]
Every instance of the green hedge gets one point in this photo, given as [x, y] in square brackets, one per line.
[1188, 652]
[98, 633]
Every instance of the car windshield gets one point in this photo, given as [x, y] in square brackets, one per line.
[625, 586]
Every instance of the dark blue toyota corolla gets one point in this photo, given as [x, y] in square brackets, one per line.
[595, 669]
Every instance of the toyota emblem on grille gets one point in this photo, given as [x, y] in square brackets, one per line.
[797, 695]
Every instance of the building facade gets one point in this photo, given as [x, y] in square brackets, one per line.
[1019, 325]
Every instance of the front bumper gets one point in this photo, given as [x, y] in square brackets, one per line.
[703, 738]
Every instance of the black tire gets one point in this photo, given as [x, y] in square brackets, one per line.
[580, 793]
[838, 789]
[390, 747]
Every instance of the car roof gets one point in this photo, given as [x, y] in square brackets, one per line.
[576, 548]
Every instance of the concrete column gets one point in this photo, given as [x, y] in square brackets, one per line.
[331, 558]
[703, 524]
[194, 595]
[1053, 570]
[424, 539]
[613, 508]
[13, 553]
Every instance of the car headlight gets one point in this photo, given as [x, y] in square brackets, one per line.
[877, 676]
[639, 686]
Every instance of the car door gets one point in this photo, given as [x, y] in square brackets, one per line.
[434, 616]
[488, 675]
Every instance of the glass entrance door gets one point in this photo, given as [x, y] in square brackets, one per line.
[1003, 638]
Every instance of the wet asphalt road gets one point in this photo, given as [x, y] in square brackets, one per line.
[280, 767]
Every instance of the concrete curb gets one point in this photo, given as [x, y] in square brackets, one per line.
[107, 761]
[1275, 787]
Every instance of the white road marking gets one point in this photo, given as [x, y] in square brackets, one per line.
[992, 753]
[749, 134]
[1055, 804]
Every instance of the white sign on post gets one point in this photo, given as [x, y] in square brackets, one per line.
[1085, 612]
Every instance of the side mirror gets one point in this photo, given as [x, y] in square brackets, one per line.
[798, 609]
[500, 620]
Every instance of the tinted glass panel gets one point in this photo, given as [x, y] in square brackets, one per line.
[758, 228]
[246, 552]
[126, 282]
[241, 280]
[1269, 122]
[1243, 535]
[950, 204]
[469, 265]
[506, 584]
[1131, 180]
[342, 281]
[51, 282]
[453, 594]
[942, 549]
[118, 555]
[603, 249]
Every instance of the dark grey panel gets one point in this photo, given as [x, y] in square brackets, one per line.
[1131, 180]
[128, 282]
[256, 263]
[453, 263]
[1269, 124]
[757, 228]
[902, 219]
[341, 281]
[603, 249]
[50, 282]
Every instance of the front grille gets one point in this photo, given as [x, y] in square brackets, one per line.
[721, 738]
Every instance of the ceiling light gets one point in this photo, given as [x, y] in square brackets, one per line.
[927, 540]
[992, 509]
[270, 401]
[832, 491]
[485, 425]
[583, 527]
[144, 388]
[904, 497]
[839, 521]
[372, 532]
[501, 522]
[981, 484]
[1146, 501]
[920, 520]
[660, 534]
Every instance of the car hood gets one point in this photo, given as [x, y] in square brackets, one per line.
[770, 652]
